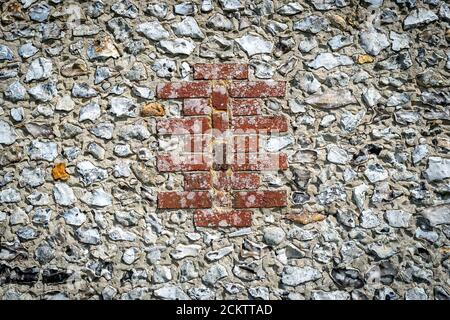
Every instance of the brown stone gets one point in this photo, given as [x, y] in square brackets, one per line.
[364, 58]
[59, 172]
[153, 109]
[305, 218]
[74, 69]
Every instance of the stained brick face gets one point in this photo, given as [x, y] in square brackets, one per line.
[221, 159]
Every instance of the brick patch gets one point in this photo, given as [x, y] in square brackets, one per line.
[221, 155]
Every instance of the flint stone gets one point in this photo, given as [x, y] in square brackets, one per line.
[398, 218]
[97, 198]
[373, 42]
[329, 61]
[43, 92]
[88, 236]
[38, 150]
[153, 31]
[419, 17]
[9, 195]
[7, 134]
[188, 27]
[40, 68]
[312, 24]
[293, 276]
[178, 46]
[5, 53]
[437, 215]
[90, 112]
[214, 273]
[171, 292]
[253, 44]
[63, 194]
[438, 169]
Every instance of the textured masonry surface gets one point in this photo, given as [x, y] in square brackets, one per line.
[228, 177]
[360, 89]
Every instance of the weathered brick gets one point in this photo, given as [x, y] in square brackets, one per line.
[245, 107]
[220, 156]
[196, 107]
[221, 180]
[260, 123]
[193, 125]
[220, 121]
[245, 180]
[257, 89]
[246, 143]
[223, 218]
[219, 98]
[179, 90]
[260, 199]
[196, 143]
[203, 71]
[191, 162]
[197, 181]
[226, 180]
[222, 199]
[259, 162]
[184, 200]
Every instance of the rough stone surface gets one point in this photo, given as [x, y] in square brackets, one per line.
[360, 89]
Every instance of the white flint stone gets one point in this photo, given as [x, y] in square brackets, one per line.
[7, 134]
[40, 68]
[90, 112]
[337, 155]
[153, 31]
[293, 276]
[42, 150]
[438, 169]
[188, 27]
[372, 41]
[63, 194]
[178, 46]
[97, 198]
[9, 195]
[329, 61]
[419, 17]
[253, 44]
[65, 104]
[398, 218]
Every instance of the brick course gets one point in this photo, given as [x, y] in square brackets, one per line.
[221, 171]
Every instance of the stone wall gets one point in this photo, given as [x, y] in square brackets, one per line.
[364, 207]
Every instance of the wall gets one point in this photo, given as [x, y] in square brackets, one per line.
[366, 211]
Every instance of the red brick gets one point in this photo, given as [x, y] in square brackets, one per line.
[222, 199]
[246, 143]
[184, 125]
[245, 107]
[259, 162]
[221, 156]
[219, 98]
[197, 181]
[220, 121]
[184, 200]
[196, 107]
[196, 143]
[203, 71]
[223, 218]
[260, 199]
[194, 162]
[221, 180]
[224, 180]
[258, 89]
[178, 90]
[260, 123]
[245, 180]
